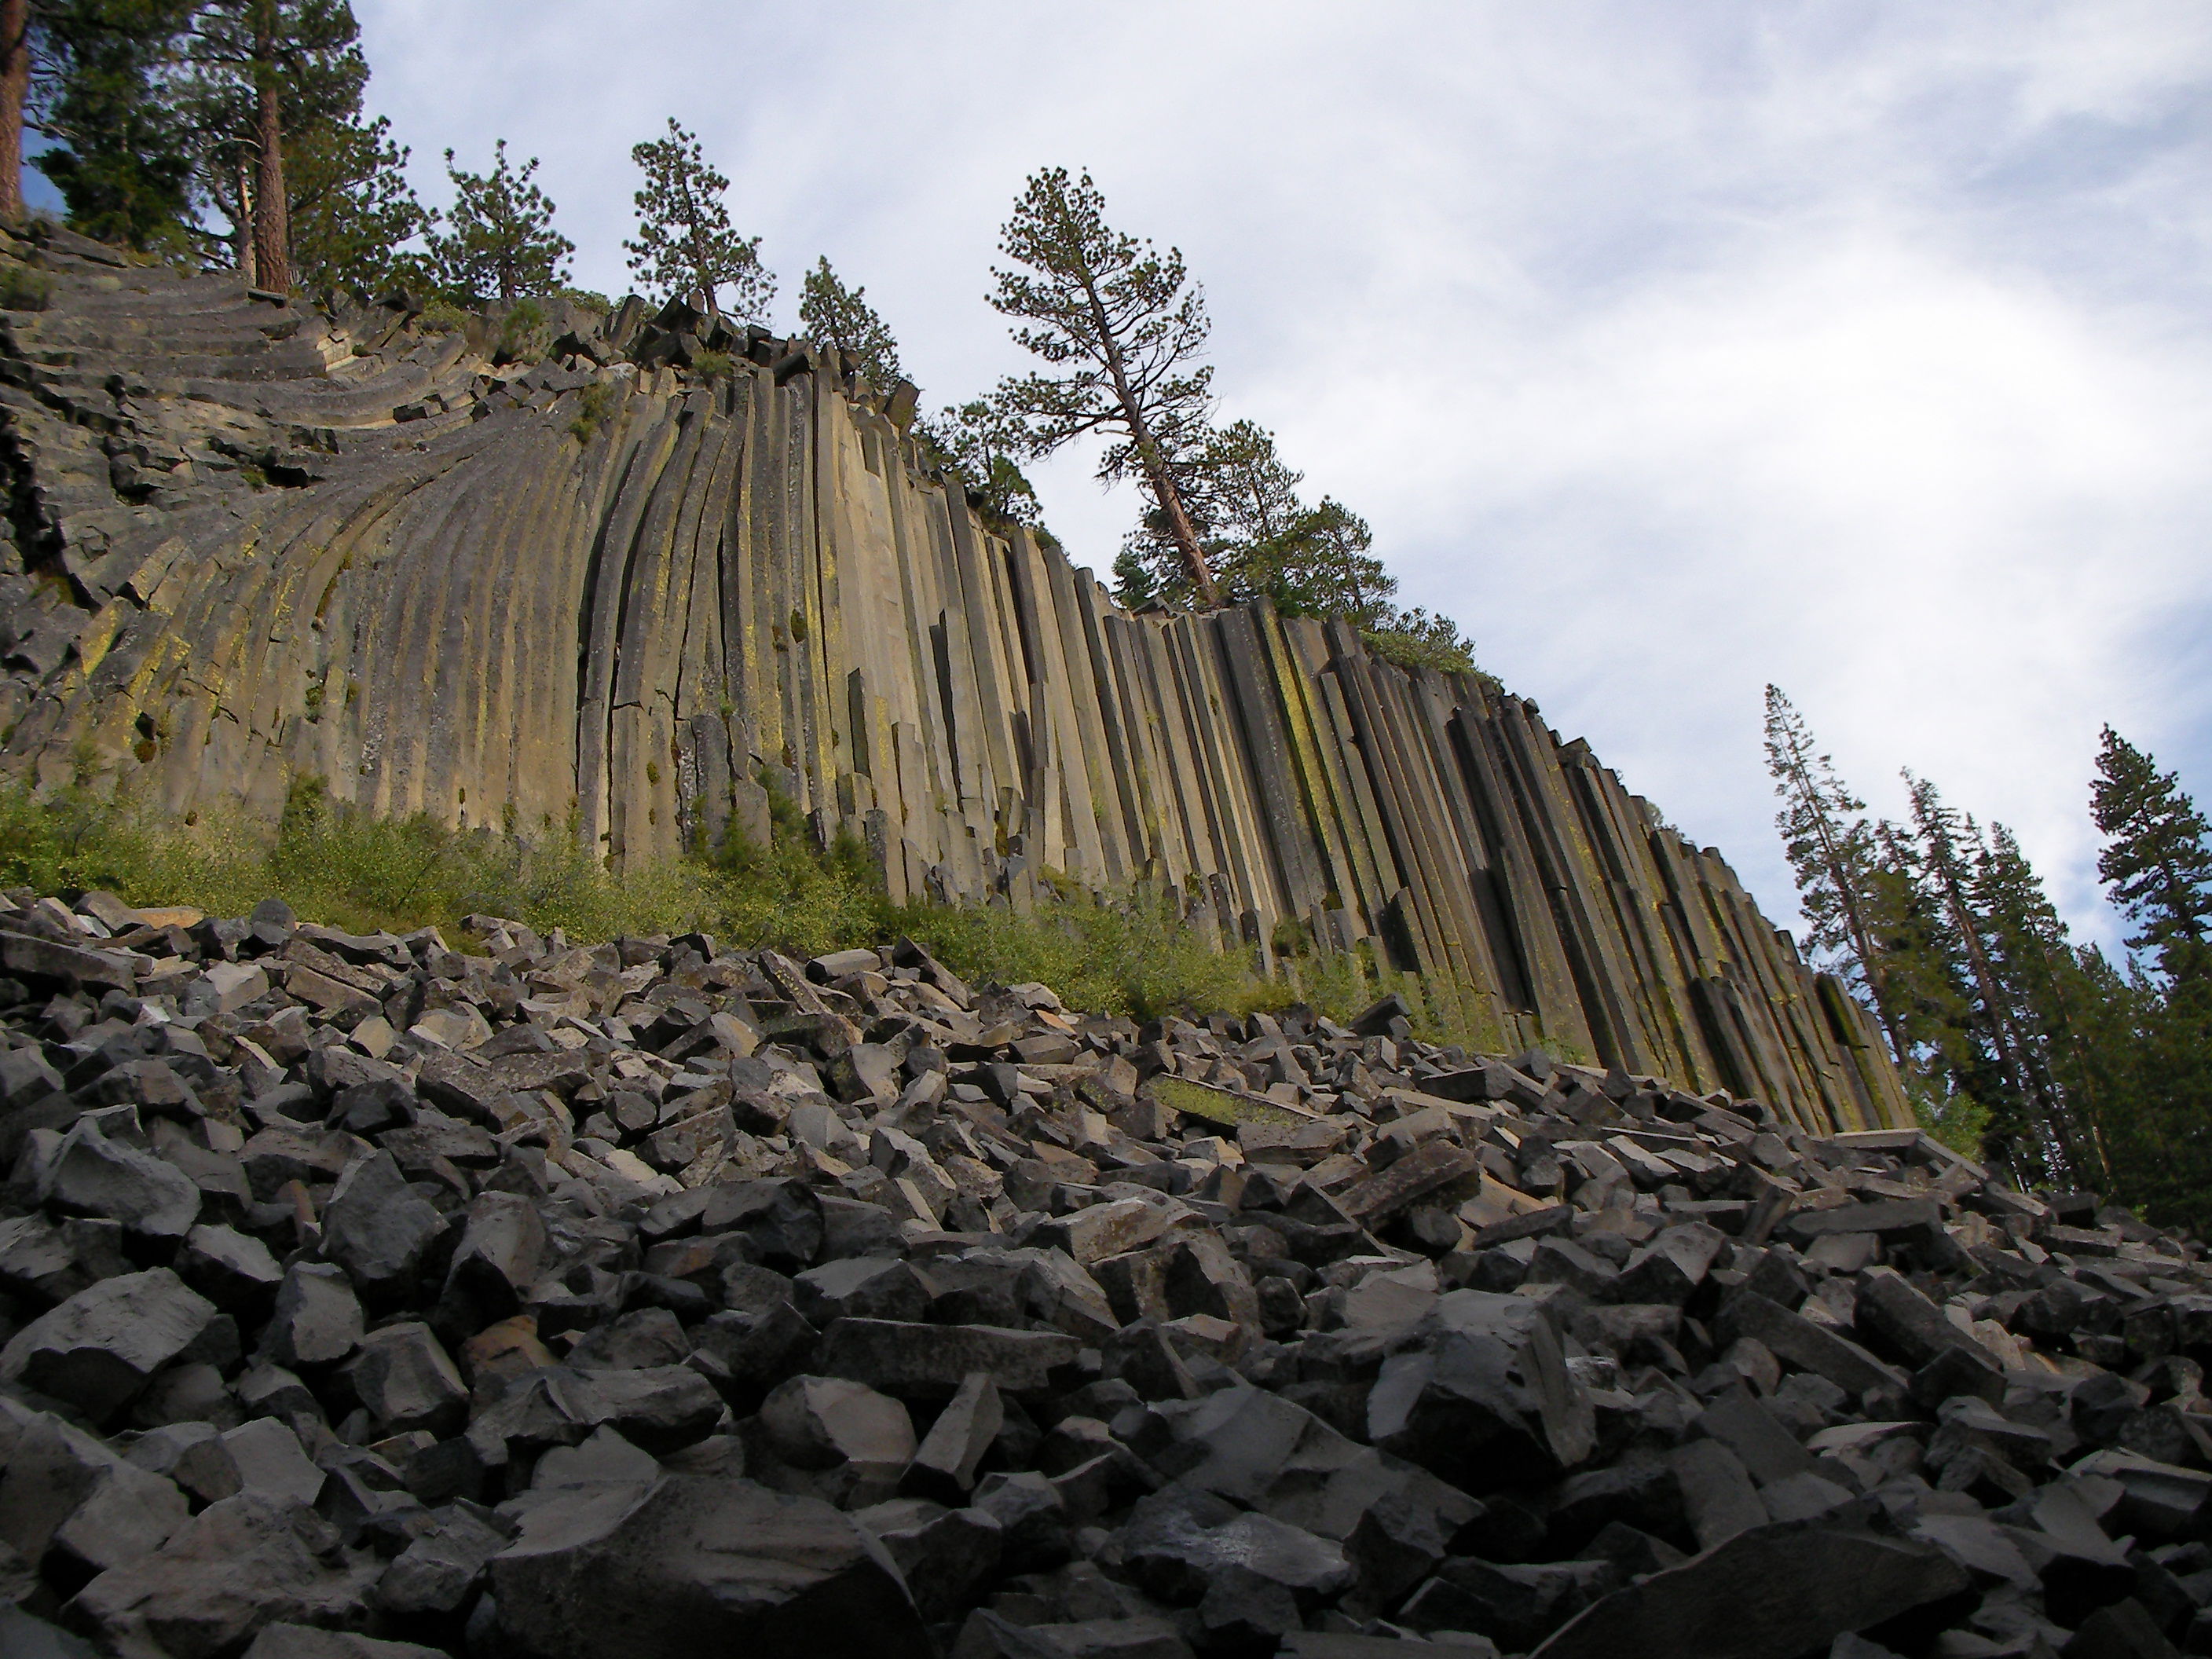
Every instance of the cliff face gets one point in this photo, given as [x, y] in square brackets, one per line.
[251, 542]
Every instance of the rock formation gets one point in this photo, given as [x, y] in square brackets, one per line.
[366, 1298]
[624, 585]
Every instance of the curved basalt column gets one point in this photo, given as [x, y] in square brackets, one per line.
[251, 541]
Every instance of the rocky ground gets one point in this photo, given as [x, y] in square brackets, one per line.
[369, 1296]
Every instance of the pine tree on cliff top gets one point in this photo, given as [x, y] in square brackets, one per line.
[841, 317]
[353, 211]
[500, 243]
[123, 149]
[262, 73]
[972, 441]
[685, 244]
[1121, 324]
[2157, 866]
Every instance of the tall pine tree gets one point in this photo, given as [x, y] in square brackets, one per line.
[1831, 848]
[500, 243]
[123, 151]
[2157, 858]
[685, 243]
[2054, 999]
[353, 211]
[1121, 326]
[264, 72]
[2157, 866]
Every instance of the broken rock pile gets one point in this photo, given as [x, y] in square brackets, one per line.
[367, 1297]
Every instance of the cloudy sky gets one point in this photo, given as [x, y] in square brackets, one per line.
[1673, 347]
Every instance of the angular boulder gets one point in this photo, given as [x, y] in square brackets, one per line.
[242, 1565]
[691, 1565]
[100, 1348]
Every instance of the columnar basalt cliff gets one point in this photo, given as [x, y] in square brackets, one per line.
[623, 587]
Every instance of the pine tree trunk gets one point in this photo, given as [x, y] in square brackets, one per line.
[1850, 901]
[707, 284]
[1179, 524]
[15, 83]
[1154, 463]
[272, 225]
[243, 235]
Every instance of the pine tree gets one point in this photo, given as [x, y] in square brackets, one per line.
[1122, 325]
[1950, 842]
[2052, 998]
[353, 211]
[1353, 580]
[14, 88]
[1831, 848]
[501, 245]
[2157, 866]
[1927, 1003]
[2157, 858]
[970, 442]
[1246, 499]
[841, 317]
[124, 158]
[263, 72]
[1136, 584]
[1241, 502]
[685, 244]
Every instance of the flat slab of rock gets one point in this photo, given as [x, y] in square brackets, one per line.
[306, 1641]
[691, 1565]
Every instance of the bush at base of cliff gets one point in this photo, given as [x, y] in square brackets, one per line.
[345, 868]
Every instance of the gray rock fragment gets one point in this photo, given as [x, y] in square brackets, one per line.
[318, 1319]
[405, 1381]
[692, 1565]
[90, 1175]
[238, 1565]
[100, 1348]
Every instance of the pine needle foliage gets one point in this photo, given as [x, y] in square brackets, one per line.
[500, 243]
[685, 243]
[841, 317]
[1120, 326]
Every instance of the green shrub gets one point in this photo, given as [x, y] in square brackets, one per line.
[1128, 954]
[595, 407]
[1958, 1122]
[442, 316]
[523, 336]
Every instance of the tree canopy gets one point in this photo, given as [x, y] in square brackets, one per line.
[501, 243]
[685, 244]
[1120, 326]
[122, 155]
[2157, 858]
[841, 317]
[259, 72]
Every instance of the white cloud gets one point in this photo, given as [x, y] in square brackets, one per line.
[1859, 347]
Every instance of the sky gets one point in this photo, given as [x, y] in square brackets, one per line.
[1672, 347]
